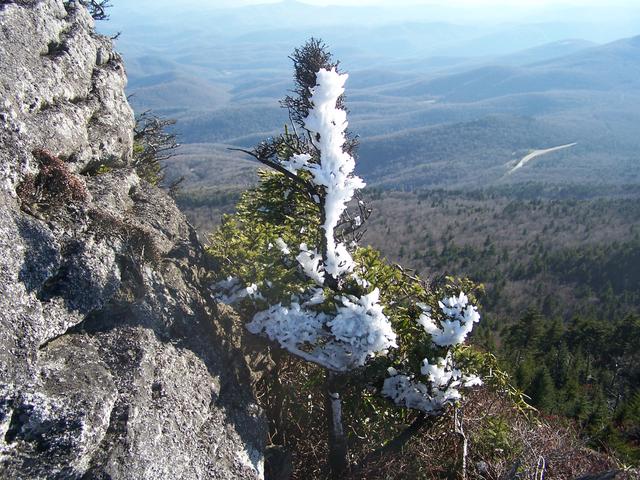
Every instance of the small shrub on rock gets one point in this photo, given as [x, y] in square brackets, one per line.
[53, 185]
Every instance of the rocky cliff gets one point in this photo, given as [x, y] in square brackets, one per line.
[114, 361]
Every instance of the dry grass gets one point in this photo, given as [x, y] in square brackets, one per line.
[53, 186]
[502, 443]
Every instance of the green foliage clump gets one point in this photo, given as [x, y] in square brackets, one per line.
[245, 244]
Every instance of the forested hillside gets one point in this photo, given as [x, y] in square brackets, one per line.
[561, 271]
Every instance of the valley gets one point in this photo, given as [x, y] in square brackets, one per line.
[505, 151]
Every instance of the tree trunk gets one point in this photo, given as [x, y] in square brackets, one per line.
[338, 450]
[459, 429]
[276, 413]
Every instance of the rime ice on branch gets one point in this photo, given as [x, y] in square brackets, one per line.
[443, 379]
[326, 125]
[459, 315]
[355, 328]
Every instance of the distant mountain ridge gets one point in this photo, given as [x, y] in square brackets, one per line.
[424, 93]
[601, 67]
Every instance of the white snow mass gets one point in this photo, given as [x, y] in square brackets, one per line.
[460, 317]
[327, 125]
[342, 341]
[444, 380]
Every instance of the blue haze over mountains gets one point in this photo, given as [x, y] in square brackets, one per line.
[440, 96]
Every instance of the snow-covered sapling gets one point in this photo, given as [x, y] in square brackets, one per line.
[347, 329]
[326, 307]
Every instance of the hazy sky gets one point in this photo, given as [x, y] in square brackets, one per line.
[474, 3]
[608, 19]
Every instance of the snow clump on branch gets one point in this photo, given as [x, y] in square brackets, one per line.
[339, 342]
[460, 316]
[444, 379]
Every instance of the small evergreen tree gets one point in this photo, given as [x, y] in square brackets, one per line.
[291, 260]
[542, 391]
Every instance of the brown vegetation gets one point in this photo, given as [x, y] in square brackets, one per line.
[53, 185]
[502, 443]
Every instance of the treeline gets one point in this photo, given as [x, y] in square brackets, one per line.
[587, 369]
[562, 292]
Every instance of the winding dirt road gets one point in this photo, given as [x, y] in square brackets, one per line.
[538, 153]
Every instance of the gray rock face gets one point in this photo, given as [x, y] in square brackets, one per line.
[61, 88]
[115, 363]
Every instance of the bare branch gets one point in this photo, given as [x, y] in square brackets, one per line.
[306, 187]
[97, 8]
[153, 145]
[395, 445]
